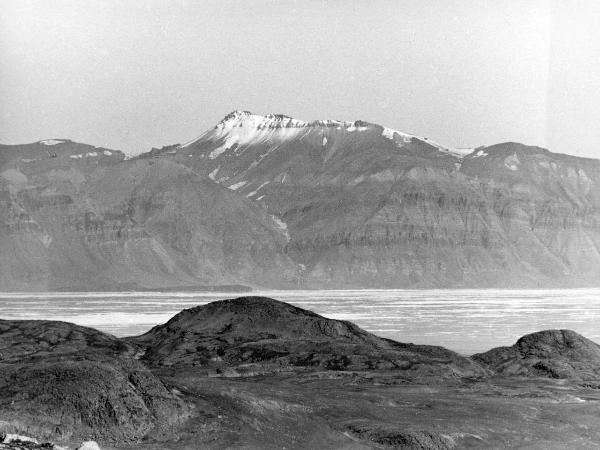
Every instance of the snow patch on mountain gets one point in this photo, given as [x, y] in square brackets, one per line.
[217, 151]
[51, 142]
[391, 134]
[196, 139]
[440, 147]
[240, 129]
[236, 186]
[244, 128]
[213, 174]
[512, 162]
[388, 133]
[18, 438]
[354, 127]
[253, 193]
[464, 151]
[282, 226]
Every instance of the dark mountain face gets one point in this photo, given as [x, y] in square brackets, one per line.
[276, 202]
[251, 335]
[551, 353]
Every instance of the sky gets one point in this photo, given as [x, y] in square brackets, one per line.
[135, 75]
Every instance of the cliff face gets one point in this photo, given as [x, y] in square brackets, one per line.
[276, 202]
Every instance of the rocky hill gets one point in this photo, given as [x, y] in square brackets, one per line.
[253, 372]
[561, 354]
[251, 335]
[62, 381]
[272, 201]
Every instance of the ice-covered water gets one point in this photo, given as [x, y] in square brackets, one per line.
[466, 321]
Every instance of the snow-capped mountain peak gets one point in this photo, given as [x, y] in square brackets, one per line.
[250, 120]
[242, 128]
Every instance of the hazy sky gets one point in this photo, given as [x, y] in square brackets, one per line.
[133, 75]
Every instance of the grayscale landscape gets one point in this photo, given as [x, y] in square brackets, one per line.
[273, 202]
[466, 321]
[299, 225]
[253, 372]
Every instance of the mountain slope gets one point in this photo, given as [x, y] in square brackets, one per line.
[260, 335]
[84, 218]
[273, 201]
[366, 206]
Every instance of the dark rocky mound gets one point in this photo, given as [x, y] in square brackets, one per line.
[560, 354]
[61, 381]
[258, 335]
[342, 386]
[41, 338]
[386, 436]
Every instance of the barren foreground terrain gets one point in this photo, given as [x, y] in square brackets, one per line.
[257, 373]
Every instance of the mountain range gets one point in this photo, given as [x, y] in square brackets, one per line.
[275, 202]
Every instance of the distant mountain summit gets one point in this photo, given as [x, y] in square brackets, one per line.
[364, 205]
[273, 201]
[243, 128]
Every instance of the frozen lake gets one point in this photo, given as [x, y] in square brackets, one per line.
[467, 321]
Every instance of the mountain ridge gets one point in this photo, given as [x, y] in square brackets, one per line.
[333, 204]
[272, 120]
[345, 186]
